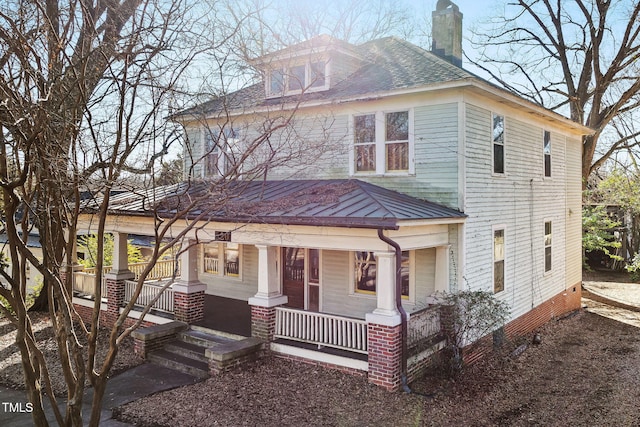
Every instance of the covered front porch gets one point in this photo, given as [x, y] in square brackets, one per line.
[319, 281]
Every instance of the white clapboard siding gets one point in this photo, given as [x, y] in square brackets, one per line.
[520, 201]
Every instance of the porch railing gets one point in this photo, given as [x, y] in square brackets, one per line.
[148, 293]
[322, 329]
[162, 270]
[423, 325]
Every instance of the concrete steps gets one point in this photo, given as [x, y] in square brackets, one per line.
[197, 351]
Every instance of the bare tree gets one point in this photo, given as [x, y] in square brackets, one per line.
[576, 57]
[85, 88]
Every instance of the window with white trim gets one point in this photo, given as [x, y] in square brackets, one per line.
[222, 259]
[547, 246]
[295, 79]
[218, 155]
[497, 137]
[546, 150]
[498, 260]
[365, 272]
[383, 142]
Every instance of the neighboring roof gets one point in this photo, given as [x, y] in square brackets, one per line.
[338, 203]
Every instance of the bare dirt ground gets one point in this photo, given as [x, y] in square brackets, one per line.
[586, 372]
[10, 360]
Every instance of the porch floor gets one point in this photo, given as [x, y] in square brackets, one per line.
[227, 315]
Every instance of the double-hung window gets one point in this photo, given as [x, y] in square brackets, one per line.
[498, 143]
[498, 260]
[546, 149]
[547, 246]
[218, 151]
[365, 142]
[382, 142]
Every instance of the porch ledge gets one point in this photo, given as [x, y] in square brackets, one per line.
[262, 301]
[158, 331]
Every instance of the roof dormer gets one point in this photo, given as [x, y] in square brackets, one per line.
[310, 66]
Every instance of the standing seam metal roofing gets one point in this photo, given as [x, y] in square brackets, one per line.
[337, 202]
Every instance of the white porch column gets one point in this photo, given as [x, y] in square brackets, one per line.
[120, 254]
[442, 269]
[386, 313]
[269, 293]
[189, 270]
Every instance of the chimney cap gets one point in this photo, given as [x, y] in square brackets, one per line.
[445, 4]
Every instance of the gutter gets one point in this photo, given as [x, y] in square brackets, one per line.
[399, 307]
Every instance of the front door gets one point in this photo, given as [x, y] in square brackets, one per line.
[293, 276]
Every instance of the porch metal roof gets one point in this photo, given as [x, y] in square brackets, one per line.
[340, 203]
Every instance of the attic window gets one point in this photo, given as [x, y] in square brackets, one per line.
[308, 77]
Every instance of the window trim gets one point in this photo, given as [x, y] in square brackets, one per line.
[549, 246]
[503, 145]
[307, 85]
[221, 256]
[223, 151]
[495, 229]
[353, 291]
[381, 143]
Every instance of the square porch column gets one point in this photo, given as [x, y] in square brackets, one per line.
[384, 327]
[115, 278]
[269, 296]
[442, 269]
[188, 291]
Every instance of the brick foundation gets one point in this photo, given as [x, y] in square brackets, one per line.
[554, 308]
[263, 322]
[385, 352]
[189, 307]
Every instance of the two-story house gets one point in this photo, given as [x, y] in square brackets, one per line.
[369, 178]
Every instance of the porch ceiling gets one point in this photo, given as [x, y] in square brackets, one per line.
[334, 203]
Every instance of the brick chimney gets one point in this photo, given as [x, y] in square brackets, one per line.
[446, 32]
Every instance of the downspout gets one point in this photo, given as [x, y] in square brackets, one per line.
[399, 307]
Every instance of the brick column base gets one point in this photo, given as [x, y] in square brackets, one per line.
[188, 308]
[263, 322]
[385, 355]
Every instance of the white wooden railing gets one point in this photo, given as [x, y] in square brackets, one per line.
[85, 283]
[321, 329]
[148, 293]
[423, 325]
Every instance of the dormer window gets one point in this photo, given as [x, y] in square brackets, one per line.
[296, 79]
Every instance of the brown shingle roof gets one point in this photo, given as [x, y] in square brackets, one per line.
[390, 64]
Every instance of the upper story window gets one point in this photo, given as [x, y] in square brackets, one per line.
[307, 77]
[498, 144]
[546, 149]
[218, 155]
[383, 143]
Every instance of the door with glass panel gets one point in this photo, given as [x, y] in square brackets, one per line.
[301, 277]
